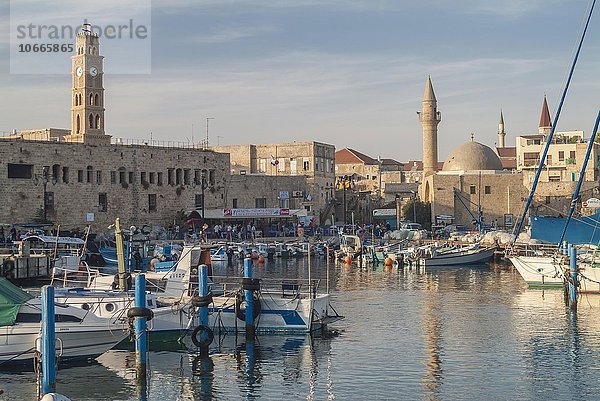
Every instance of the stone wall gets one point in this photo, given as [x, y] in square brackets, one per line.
[129, 178]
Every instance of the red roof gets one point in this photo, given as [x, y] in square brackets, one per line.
[508, 157]
[545, 116]
[351, 156]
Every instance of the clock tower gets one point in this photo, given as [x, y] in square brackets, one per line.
[87, 100]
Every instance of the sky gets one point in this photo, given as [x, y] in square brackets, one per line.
[346, 72]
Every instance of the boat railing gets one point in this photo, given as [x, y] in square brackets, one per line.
[66, 277]
[527, 249]
[300, 288]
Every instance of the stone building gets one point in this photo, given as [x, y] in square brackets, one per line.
[472, 180]
[313, 160]
[77, 177]
[369, 174]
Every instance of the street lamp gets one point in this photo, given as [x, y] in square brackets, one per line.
[44, 178]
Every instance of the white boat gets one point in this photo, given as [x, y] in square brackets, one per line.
[79, 334]
[285, 306]
[459, 257]
[541, 270]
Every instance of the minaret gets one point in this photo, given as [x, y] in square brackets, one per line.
[545, 122]
[501, 133]
[429, 118]
[87, 110]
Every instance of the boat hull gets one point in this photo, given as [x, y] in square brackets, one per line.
[460, 259]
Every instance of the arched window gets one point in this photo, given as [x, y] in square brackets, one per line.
[91, 121]
[96, 103]
[78, 124]
[97, 125]
[91, 99]
[75, 100]
[80, 99]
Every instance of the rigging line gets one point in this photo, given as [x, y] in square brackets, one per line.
[591, 144]
[549, 139]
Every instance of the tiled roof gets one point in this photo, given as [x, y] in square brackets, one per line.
[351, 156]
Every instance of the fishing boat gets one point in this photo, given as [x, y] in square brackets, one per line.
[461, 256]
[79, 334]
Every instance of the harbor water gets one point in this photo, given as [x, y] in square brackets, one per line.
[472, 333]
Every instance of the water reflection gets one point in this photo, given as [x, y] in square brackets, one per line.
[432, 333]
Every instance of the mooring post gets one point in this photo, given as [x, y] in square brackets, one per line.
[140, 328]
[573, 281]
[48, 341]
[248, 297]
[203, 292]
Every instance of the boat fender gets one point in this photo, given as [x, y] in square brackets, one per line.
[251, 284]
[8, 268]
[200, 301]
[137, 311]
[202, 336]
[241, 314]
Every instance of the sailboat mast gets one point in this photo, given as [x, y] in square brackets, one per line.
[549, 139]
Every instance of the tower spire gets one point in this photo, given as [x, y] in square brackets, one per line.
[429, 117]
[545, 121]
[501, 132]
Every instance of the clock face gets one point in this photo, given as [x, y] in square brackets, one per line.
[93, 71]
[79, 71]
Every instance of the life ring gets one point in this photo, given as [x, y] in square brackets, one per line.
[202, 341]
[8, 268]
[241, 313]
[200, 301]
[137, 311]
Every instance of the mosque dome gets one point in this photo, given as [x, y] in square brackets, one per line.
[472, 156]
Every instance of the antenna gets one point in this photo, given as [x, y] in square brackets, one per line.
[207, 118]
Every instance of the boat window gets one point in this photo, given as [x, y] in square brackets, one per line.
[24, 317]
[110, 307]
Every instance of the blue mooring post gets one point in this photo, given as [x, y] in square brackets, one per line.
[573, 281]
[48, 341]
[203, 292]
[140, 327]
[249, 300]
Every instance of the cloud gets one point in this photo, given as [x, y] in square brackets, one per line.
[229, 34]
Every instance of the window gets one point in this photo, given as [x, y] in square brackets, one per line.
[170, 176]
[98, 177]
[55, 172]
[234, 203]
[549, 160]
[79, 175]
[306, 164]
[374, 177]
[20, 170]
[151, 202]
[196, 176]
[261, 203]
[199, 201]
[152, 177]
[90, 174]
[472, 190]
[211, 177]
[131, 177]
[102, 202]
[113, 177]
[262, 165]
[186, 176]
[547, 200]
[572, 155]
[487, 190]
[561, 156]
[159, 178]
[178, 176]
[65, 175]
[281, 165]
[143, 177]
